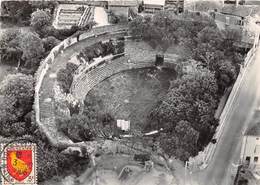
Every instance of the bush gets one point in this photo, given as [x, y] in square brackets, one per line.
[115, 19]
[19, 11]
[39, 19]
[11, 56]
[100, 49]
[71, 67]
[65, 76]
[77, 128]
[31, 45]
[65, 79]
[90, 124]
[62, 34]
[47, 159]
[120, 47]
[50, 42]
[7, 36]
[59, 34]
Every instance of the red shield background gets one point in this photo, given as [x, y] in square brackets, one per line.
[23, 157]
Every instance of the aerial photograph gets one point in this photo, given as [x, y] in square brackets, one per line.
[130, 92]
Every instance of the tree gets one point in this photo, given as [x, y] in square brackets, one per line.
[19, 11]
[187, 112]
[166, 29]
[40, 19]
[231, 37]
[47, 159]
[205, 6]
[137, 27]
[16, 101]
[8, 115]
[65, 80]
[20, 89]
[209, 42]
[184, 129]
[115, 19]
[7, 36]
[11, 56]
[50, 42]
[10, 53]
[31, 45]
[226, 74]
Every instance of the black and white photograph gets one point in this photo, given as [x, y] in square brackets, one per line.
[130, 92]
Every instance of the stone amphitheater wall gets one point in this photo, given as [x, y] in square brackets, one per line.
[86, 81]
[92, 76]
[45, 65]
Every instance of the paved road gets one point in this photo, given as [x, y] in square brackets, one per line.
[220, 170]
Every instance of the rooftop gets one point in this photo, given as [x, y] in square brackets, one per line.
[122, 2]
[253, 130]
[155, 2]
[242, 11]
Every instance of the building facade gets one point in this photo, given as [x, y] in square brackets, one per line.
[153, 6]
[121, 7]
[250, 151]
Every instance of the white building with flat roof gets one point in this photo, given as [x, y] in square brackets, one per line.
[152, 6]
[250, 151]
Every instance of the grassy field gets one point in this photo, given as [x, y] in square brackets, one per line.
[131, 95]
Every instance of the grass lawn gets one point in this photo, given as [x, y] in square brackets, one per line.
[131, 95]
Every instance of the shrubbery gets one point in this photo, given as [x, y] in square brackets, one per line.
[192, 99]
[65, 79]
[50, 42]
[40, 19]
[166, 28]
[187, 114]
[16, 93]
[201, 38]
[115, 19]
[65, 76]
[92, 123]
[22, 49]
[19, 11]
[77, 128]
[17, 121]
[101, 49]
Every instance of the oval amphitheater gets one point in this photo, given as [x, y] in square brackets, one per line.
[136, 55]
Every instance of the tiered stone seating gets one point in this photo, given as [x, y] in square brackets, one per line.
[44, 98]
[69, 17]
[86, 16]
[90, 79]
[71, 14]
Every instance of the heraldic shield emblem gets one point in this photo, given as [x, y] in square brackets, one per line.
[19, 163]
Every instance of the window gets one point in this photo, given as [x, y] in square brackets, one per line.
[248, 158]
[239, 22]
[255, 159]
